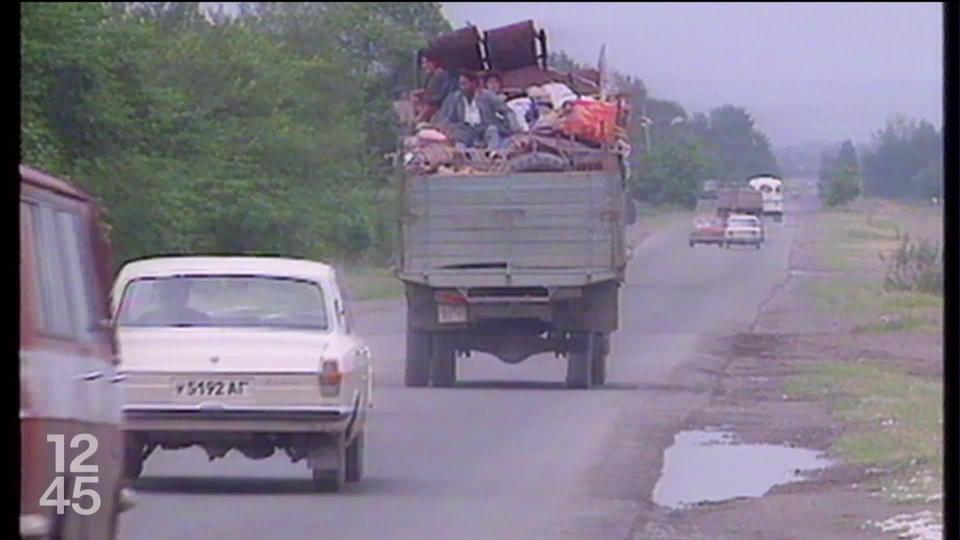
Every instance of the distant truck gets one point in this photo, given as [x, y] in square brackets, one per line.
[516, 261]
[771, 190]
[739, 201]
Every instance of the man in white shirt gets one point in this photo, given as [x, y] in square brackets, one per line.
[473, 115]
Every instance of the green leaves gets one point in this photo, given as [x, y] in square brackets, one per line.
[673, 174]
[905, 160]
[840, 177]
[256, 135]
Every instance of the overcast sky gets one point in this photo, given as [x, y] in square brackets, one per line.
[807, 71]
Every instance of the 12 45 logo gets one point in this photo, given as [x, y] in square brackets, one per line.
[82, 476]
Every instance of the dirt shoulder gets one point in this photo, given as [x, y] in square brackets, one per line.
[836, 364]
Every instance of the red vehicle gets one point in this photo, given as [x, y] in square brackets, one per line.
[70, 402]
[707, 230]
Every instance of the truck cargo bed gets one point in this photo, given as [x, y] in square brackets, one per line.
[521, 229]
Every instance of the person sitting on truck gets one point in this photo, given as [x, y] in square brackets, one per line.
[473, 115]
[493, 83]
[440, 84]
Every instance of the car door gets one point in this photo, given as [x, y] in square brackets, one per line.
[70, 374]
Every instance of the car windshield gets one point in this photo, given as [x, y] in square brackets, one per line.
[743, 222]
[223, 301]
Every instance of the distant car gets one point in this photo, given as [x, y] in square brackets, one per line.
[70, 398]
[248, 353]
[707, 231]
[743, 229]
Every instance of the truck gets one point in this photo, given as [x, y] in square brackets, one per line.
[771, 190]
[739, 201]
[524, 258]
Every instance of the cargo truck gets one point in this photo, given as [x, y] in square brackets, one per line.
[525, 258]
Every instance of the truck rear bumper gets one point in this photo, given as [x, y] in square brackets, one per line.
[517, 278]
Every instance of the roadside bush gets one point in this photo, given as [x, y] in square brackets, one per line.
[915, 266]
[843, 188]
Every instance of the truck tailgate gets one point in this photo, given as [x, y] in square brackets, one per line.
[518, 229]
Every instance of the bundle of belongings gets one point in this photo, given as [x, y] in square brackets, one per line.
[492, 123]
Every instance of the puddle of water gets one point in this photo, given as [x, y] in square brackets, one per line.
[709, 466]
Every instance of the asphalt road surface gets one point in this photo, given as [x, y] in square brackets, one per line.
[509, 453]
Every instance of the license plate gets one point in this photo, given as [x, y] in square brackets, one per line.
[202, 388]
[451, 314]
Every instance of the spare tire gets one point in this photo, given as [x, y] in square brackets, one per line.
[539, 162]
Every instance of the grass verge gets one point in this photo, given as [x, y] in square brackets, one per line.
[894, 421]
[855, 241]
[365, 283]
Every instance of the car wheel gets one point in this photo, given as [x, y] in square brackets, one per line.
[356, 459]
[330, 480]
[601, 351]
[443, 362]
[580, 361]
[417, 367]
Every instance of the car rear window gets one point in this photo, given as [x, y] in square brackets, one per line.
[224, 301]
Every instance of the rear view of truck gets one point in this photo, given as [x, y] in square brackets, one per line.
[514, 253]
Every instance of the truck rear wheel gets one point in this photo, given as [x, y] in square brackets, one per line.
[580, 361]
[601, 351]
[443, 362]
[417, 367]
[132, 459]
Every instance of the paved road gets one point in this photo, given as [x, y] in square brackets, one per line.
[510, 453]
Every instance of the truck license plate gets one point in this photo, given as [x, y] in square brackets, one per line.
[451, 314]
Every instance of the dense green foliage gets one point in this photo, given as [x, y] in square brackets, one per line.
[673, 174]
[263, 133]
[840, 176]
[905, 161]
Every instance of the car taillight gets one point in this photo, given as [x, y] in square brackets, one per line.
[610, 215]
[450, 297]
[330, 379]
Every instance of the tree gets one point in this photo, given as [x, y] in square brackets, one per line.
[672, 174]
[898, 154]
[840, 177]
[740, 149]
[200, 132]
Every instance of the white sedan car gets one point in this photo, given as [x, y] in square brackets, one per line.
[743, 230]
[248, 353]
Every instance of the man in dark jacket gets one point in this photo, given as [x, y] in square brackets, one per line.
[440, 84]
[473, 115]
